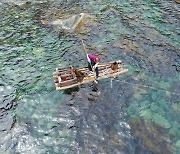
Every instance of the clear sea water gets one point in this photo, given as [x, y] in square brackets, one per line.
[134, 113]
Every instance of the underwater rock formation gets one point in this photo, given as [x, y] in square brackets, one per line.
[177, 1]
[70, 24]
[151, 136]
[19, 3]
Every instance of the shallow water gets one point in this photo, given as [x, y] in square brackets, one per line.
[137, 112]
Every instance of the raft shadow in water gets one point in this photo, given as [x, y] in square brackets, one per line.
[71, 90]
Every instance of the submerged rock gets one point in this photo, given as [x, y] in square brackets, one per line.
[70, 24]
[126, 44]
[151, 136]
[19, 3]
[1, 7]
[176, 106]
[97, 123]
[177, 1]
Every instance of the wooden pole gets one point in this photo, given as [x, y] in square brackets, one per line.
[85, 50]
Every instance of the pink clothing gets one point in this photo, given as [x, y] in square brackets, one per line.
[92, 57]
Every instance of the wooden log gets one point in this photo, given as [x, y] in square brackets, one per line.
[63, 68]
[64, 72]
[68, 82]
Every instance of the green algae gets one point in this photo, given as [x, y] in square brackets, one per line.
[150, 111]
[38, 50]
[177, 144]
[154, 106]
[176, 106]
[132, 109]
[174, 130]
[164, 85]
[160, 120]
[146, 114]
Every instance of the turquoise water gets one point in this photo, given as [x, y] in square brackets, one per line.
[137, 112]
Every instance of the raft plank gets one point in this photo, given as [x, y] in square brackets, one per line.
[105, 71]
[91, 78]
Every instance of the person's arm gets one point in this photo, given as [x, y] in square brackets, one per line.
[96, 65]
[89, 60]
[59, 79]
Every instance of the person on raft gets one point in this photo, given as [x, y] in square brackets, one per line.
[93, 61]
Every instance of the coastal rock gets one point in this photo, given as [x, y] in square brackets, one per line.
[151, 136]
[19, 3]
[177, 1]
[70, 24]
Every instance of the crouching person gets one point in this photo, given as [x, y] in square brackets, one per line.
[93, 61]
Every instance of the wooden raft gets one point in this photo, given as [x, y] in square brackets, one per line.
[67, 77]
